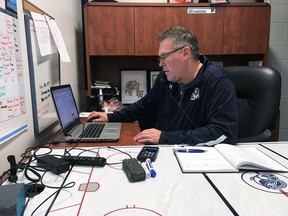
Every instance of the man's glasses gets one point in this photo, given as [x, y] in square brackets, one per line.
[163, 56]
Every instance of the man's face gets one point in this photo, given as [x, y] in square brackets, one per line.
[171, 60]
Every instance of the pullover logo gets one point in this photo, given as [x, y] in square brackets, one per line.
[195, 94]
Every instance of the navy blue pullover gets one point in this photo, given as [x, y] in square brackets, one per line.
[205, 112]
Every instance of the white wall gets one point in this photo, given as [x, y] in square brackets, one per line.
[278, 56]
[68, 15]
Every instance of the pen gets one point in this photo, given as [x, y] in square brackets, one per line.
[150, 167]
[191, 150]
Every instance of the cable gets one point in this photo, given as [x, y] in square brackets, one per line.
[163, 79]
[183, 111]
[58, 192]
[69, 185]
[49, 198]
[119, 151]
[88, 150]
[19, 165]
[29, 168]
[7, 172]
[55, 135]
[33, 169]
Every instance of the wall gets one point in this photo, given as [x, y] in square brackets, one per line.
[68, 15]
[278, 56]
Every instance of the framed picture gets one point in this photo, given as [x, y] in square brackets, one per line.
[215, 2]
[153, 76]
[133, 85]
[179, 1]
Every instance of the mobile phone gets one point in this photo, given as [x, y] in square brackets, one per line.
[148, 152]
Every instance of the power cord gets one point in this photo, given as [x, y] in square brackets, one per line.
[110, 147]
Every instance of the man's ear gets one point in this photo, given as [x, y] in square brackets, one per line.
[187, 52]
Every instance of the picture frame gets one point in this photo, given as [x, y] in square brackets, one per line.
[179, 1]
[153, 76]
[216, 2]
[133, 85]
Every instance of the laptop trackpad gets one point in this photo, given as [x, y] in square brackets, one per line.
[111, 130]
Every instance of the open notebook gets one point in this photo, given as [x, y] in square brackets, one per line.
[225, 158]
[73, 129]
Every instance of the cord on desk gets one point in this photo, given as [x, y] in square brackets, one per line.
[110, 147]
[119, 151]
[53, 141]
[58, 191]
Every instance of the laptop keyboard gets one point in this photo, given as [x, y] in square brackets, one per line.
[92, 131]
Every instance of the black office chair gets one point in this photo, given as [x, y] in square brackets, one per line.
[258, 92]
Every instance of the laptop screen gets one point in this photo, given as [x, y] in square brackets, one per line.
[66, 107]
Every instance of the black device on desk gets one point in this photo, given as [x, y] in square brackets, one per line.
[53, 164]
[150, 152]
[133, 170]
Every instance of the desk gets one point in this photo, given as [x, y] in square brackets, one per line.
[106, 191]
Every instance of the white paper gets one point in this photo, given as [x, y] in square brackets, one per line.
[209, 161]
[58, 38]
[248, 158]
[45, 41]
[84, 114]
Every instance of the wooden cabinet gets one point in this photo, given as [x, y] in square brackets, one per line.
[122, 35]
[109, 30]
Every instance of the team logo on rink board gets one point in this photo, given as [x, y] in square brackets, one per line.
[268, 182]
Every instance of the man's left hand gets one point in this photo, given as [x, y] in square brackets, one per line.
[150, 135]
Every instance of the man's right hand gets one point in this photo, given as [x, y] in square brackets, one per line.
[98, 117]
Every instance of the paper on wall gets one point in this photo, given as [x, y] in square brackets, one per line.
[58, 38]
[45, 41]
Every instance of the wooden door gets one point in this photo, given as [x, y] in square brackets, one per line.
[149, 22]
[208, 27]
[109, 30]
[246, 30]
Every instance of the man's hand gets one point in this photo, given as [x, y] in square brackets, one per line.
[151, 135]
[98, 117]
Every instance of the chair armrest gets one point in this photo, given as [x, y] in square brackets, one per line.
[264, 136]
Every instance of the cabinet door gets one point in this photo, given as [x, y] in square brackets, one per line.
[206, 26]
[246, 30]
[110, 30]
[149, 22]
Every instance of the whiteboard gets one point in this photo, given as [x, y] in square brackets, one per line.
[44, 73]
[13, 119]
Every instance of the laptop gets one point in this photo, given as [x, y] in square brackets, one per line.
[73, 129]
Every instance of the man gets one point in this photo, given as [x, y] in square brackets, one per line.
[192, 101]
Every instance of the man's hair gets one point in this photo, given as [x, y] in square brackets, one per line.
[181, 36]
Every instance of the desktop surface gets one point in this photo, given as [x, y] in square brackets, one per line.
[107, 191]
